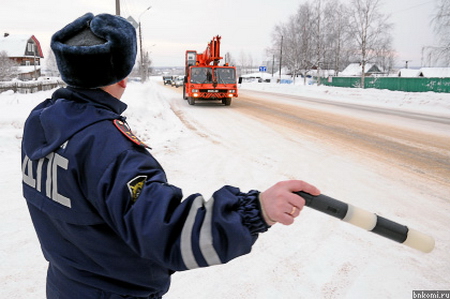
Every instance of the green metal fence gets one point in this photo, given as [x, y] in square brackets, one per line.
[392, 83]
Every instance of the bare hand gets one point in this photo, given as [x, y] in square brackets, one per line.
[279, 204]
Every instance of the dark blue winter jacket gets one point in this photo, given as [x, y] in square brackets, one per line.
[106, 217]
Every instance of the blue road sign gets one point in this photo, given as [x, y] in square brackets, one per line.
[263, 69]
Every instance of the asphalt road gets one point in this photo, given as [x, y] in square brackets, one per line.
[418, 143]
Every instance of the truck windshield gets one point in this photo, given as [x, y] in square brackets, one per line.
[225, 75]
[201, 75]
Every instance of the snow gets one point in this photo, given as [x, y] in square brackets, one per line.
[408, 73]
[14, 45]
[437, 72]
[355, 69]
[205, 147]
[428, 72]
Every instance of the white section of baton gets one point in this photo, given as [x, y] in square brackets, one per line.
[419, 241]
[360, 218]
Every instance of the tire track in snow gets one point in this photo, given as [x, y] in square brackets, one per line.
[422, 153]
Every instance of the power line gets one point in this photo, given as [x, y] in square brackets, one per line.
[412, 7]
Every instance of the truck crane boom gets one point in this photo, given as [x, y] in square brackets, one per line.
[211, 53]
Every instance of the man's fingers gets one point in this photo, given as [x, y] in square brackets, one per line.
[280, 204]
[308, 188]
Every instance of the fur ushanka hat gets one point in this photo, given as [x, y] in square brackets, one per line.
[95, 51]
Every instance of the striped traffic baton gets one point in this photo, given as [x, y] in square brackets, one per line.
[369, 221]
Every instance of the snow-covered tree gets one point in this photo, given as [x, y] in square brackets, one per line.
[245, 63]
[441, 23]
[338, 45]
[52, 67]
[8, 68]
[293, 43]
[371, 31]
[326, 34]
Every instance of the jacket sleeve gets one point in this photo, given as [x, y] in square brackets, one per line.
[151, 217]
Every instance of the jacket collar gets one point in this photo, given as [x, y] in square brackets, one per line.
[97, 96]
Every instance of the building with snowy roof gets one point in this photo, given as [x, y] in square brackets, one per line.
[355, 69]
[435, 72]
[26, 51]
[427, 72]
[409, 73]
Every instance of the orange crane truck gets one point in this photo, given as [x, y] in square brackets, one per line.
[205, 79]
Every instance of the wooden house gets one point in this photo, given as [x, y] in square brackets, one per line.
[355, 69]
[26, 51]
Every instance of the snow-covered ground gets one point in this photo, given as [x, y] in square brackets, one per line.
[317, 257]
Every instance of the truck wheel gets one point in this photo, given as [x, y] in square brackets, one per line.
[184, 93]
[191, 101]
[226, 102]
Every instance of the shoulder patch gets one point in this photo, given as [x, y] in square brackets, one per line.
[135, 186]
[125, 130]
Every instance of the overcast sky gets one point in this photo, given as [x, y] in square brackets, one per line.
[171, 27]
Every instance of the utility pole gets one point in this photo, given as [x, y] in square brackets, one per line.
[273, 62]
[143, 64]
[34, 62]
[406, 63]
[117, 7]
[281, 57]
[318, 72]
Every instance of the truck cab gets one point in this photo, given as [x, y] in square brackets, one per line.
[205, 79]
[211, 83]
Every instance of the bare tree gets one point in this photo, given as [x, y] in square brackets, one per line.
[370, 29]
[329, 34]
[8, 68]
[385, 57]
[250, 61]
[246, 63]
[229, 59]
[337, 37]
[292, 42]
[441, 23]
[316, 36]
[287, 48]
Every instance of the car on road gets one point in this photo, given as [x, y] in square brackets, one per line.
[168, 80]
[179, 81]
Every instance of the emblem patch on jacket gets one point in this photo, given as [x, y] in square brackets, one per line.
[135, 186]
[125, 130]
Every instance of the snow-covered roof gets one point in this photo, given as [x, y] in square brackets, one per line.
[408, 73]
[355, 69]
[15, 45]
[435, 72]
